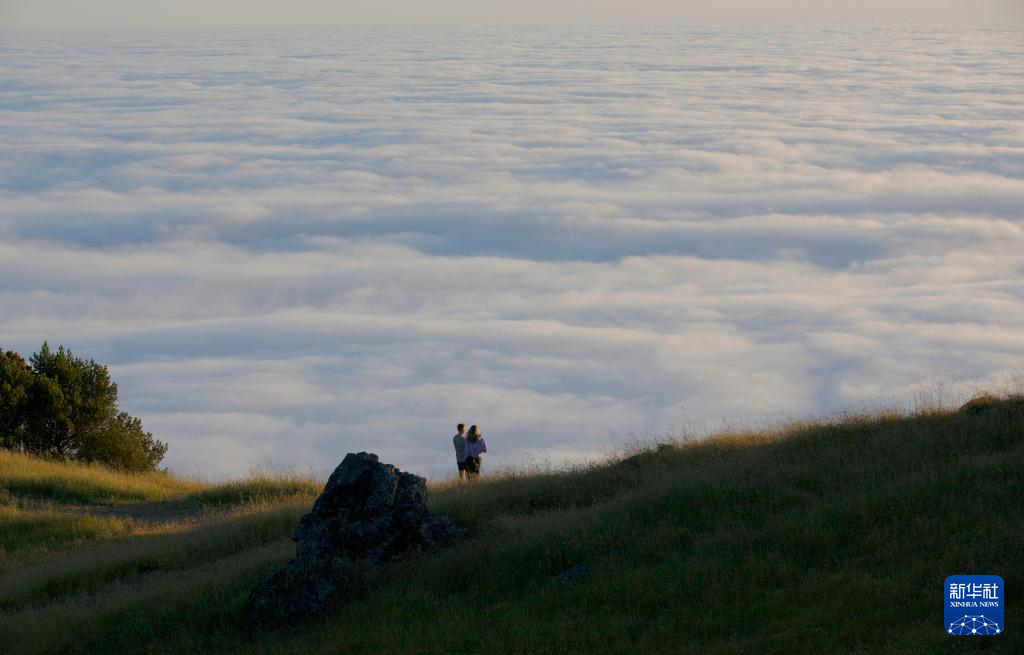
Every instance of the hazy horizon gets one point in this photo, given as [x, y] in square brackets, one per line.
[63, 14]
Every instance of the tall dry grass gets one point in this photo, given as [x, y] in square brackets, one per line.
[79, 482]
[48, 506]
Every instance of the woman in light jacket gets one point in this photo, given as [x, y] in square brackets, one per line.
[475, 449]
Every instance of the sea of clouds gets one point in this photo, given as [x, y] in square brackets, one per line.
[289, 245]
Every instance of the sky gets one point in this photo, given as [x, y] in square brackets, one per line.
[78, 14]
[290, 244]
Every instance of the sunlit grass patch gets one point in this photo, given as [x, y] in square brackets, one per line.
[78, 482]
[259, 487]
[47, 529]
[162, 547]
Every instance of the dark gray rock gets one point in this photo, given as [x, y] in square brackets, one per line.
[368, 514]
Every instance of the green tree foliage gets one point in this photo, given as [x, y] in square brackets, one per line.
[123, 444]
[15, 381]
[62, 406]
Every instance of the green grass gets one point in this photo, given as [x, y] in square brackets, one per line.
[75, 482]
[48, 506]
[831, 535]
[27, 530]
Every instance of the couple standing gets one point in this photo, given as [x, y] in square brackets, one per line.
[469, 450]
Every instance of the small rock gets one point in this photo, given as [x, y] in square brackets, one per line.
[580, 570]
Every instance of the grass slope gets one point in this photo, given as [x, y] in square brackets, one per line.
[834, 535]
[49, 506]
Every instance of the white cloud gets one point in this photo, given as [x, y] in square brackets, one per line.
[288, 246]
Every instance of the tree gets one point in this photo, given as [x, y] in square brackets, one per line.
[65, 407]
[71, 399]
[124, 444]
[15, 381]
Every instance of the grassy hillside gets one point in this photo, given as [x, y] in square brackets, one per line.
[833, 535]
[48, 506]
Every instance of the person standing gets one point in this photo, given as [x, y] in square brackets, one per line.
[460, 449]
[475, 449]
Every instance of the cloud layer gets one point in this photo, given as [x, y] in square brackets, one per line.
[293, 245]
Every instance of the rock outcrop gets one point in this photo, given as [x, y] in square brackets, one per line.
[982, 405]
[368, 513]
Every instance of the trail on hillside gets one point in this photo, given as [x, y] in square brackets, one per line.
[168, 511]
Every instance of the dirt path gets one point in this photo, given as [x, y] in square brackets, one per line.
[149, 512]
[157, 512]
